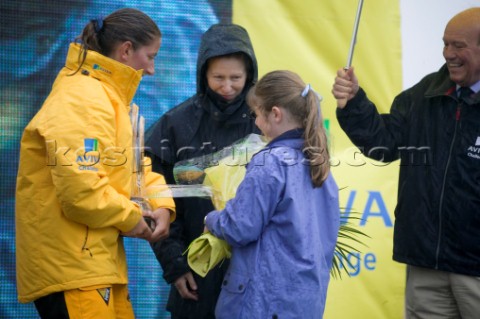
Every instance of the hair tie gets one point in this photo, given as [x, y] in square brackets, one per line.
[305, 90]
[98, 24]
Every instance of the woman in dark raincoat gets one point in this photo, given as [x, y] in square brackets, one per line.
[212, 119]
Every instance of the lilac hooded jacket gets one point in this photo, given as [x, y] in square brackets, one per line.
[283, 233]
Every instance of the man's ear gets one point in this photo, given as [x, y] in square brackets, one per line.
[124, 51]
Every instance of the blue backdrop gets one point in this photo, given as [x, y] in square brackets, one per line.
[34, 40]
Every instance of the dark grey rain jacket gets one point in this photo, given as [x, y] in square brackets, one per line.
[202, 124]
[437, 138]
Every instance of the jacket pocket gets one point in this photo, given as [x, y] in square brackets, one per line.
[232, 296]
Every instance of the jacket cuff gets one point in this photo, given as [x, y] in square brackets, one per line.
[177, 268]
[353, 103]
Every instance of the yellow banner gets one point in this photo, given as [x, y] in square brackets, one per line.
[312, 38]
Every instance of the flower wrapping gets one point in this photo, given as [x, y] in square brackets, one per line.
[222, 173]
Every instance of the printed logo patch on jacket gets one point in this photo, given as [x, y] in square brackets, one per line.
[105, 294]
[90, 157]
[90, 144]
[101, 68]
[474, 150]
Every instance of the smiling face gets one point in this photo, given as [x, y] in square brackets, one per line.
[226, 76]
[462, 47]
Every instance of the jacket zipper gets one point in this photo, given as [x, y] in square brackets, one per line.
[84, 246]
[442, 193]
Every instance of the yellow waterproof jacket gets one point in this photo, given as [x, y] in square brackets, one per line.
[74, 180]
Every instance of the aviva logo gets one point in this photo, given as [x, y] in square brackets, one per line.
[100, 68]
[90, 144]
[91, 155]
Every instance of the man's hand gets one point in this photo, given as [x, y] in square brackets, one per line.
[345, 86]
[186, 286]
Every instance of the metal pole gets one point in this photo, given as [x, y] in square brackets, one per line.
[354, 35]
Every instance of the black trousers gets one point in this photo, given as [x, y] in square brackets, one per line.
[52, 306]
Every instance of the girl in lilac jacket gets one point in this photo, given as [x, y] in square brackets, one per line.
[283, 223]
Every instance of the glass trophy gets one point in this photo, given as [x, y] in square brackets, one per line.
[138, 176]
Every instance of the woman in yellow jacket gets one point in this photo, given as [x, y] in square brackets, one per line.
[74, 180]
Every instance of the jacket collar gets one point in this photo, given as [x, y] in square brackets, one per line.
[121, 77]
[475, 87]
[443, 85]
[295, 134]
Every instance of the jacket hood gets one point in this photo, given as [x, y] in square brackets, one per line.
[222, 39]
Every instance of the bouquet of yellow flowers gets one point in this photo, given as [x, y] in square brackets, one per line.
[217, 176]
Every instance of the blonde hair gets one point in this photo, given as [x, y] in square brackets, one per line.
[287, 90]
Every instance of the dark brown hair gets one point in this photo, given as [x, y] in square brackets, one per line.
[103, 34]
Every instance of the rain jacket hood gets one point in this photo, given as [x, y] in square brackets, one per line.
[233, 38]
